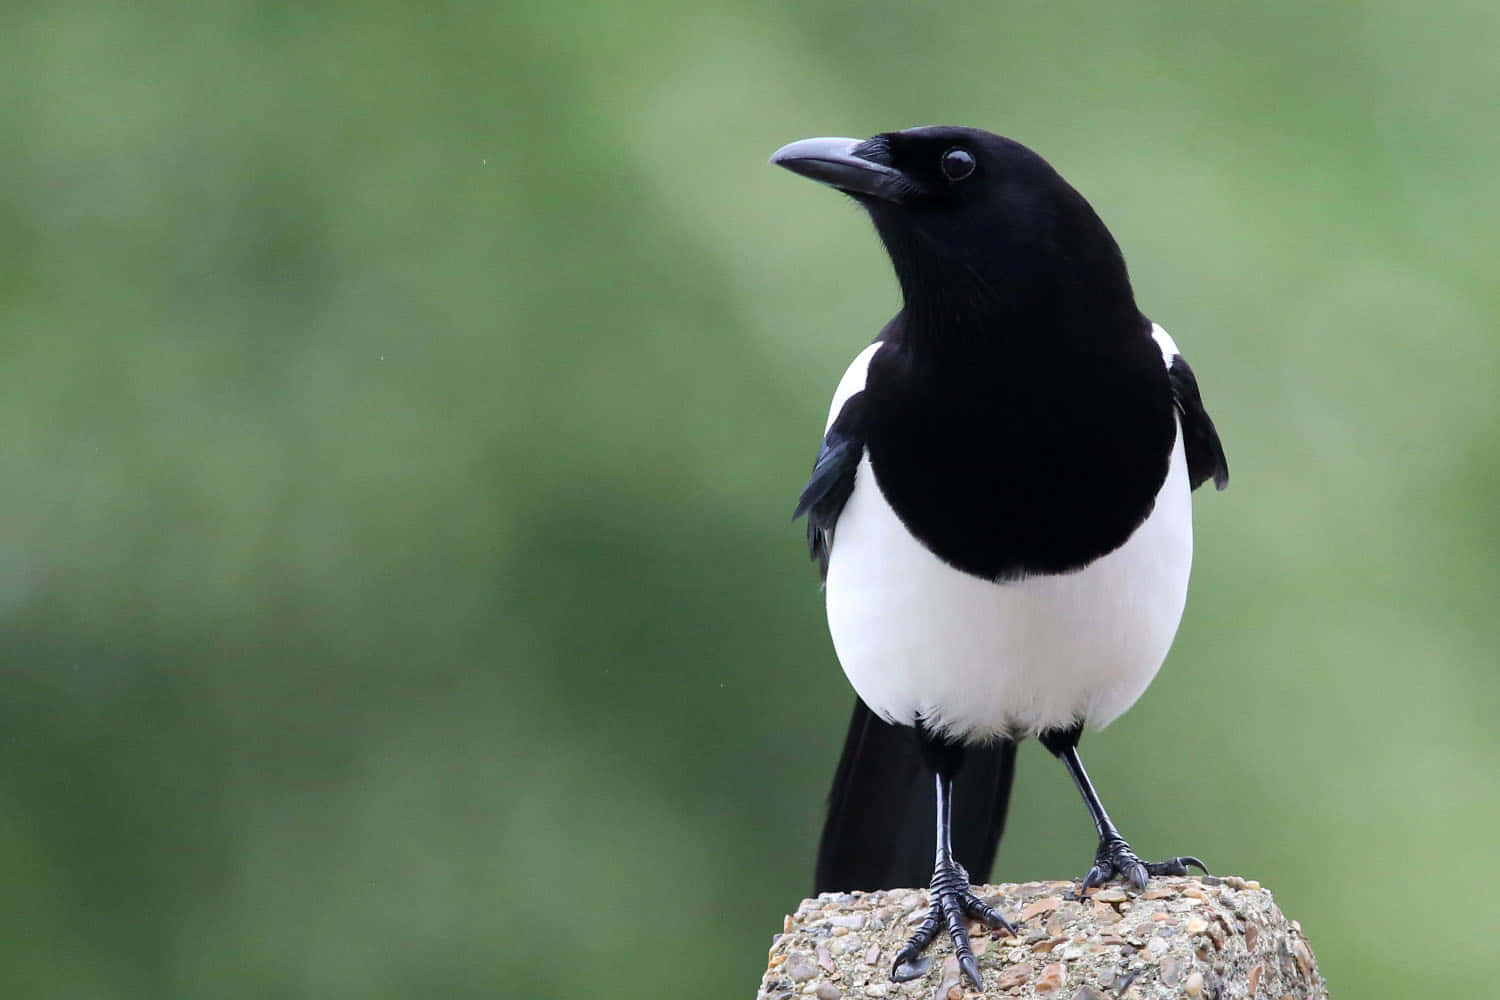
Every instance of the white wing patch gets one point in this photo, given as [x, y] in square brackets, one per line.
[1165, 342]
[852, 382]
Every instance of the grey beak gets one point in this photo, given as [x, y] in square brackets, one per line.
[832, 161]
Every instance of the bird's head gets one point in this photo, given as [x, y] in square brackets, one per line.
[974, 222]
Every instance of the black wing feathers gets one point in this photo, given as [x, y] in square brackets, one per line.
[1205, 455]
[832, 479]
[879, 832]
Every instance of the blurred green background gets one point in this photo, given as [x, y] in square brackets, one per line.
[402, 407]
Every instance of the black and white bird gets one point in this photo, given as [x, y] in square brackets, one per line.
[1000, 510]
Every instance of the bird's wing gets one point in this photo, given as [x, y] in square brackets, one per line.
[832, 479]
[1205, 455]
[843, 446]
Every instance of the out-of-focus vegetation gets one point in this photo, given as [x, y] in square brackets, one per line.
[402, 406]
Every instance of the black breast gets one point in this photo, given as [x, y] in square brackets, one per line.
[1027, 462]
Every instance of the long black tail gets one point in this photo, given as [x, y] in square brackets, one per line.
[880, 832]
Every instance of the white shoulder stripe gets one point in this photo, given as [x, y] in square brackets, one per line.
[1166, 343]
[852, 382]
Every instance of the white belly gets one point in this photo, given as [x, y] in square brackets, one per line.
[920, 640]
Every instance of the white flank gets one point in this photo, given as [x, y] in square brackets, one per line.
[920, 640]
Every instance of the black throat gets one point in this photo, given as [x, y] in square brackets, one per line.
[1023, 427]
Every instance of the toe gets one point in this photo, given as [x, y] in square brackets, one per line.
[1176, 866]
[970, 965]
[980, 910]
[1097, 876]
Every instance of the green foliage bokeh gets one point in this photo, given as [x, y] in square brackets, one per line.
[403, 404]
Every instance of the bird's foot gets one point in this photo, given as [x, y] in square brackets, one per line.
[1115, 860]
[952, 901]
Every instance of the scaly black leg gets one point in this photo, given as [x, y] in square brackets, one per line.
[1114, 858]
[952, 901]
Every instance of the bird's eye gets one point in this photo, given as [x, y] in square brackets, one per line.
[957, 164]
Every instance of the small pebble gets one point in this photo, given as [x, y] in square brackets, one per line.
[872, 954]
[1254, 981]
[800, 968]
[1194, 984]
[1045, 905]
[1053, 978]
[1070, 951]
[1217, 933]
[1196, 925]
[827, 991]
[1114, 894]
[877, 990]
[1014, 976]
[1304, 959]
[948, 977]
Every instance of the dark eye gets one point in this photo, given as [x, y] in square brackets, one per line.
[958, 164]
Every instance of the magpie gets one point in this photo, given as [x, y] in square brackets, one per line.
[1000, 512]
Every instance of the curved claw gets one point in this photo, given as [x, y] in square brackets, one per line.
[1176, 866]
[970, 966]
[909, 967]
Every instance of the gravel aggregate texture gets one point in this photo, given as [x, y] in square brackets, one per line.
[1195, 937]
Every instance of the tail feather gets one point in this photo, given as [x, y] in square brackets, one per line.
[880, 832]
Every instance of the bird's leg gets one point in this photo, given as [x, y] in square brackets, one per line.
[1114, 858]
[952, 899]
